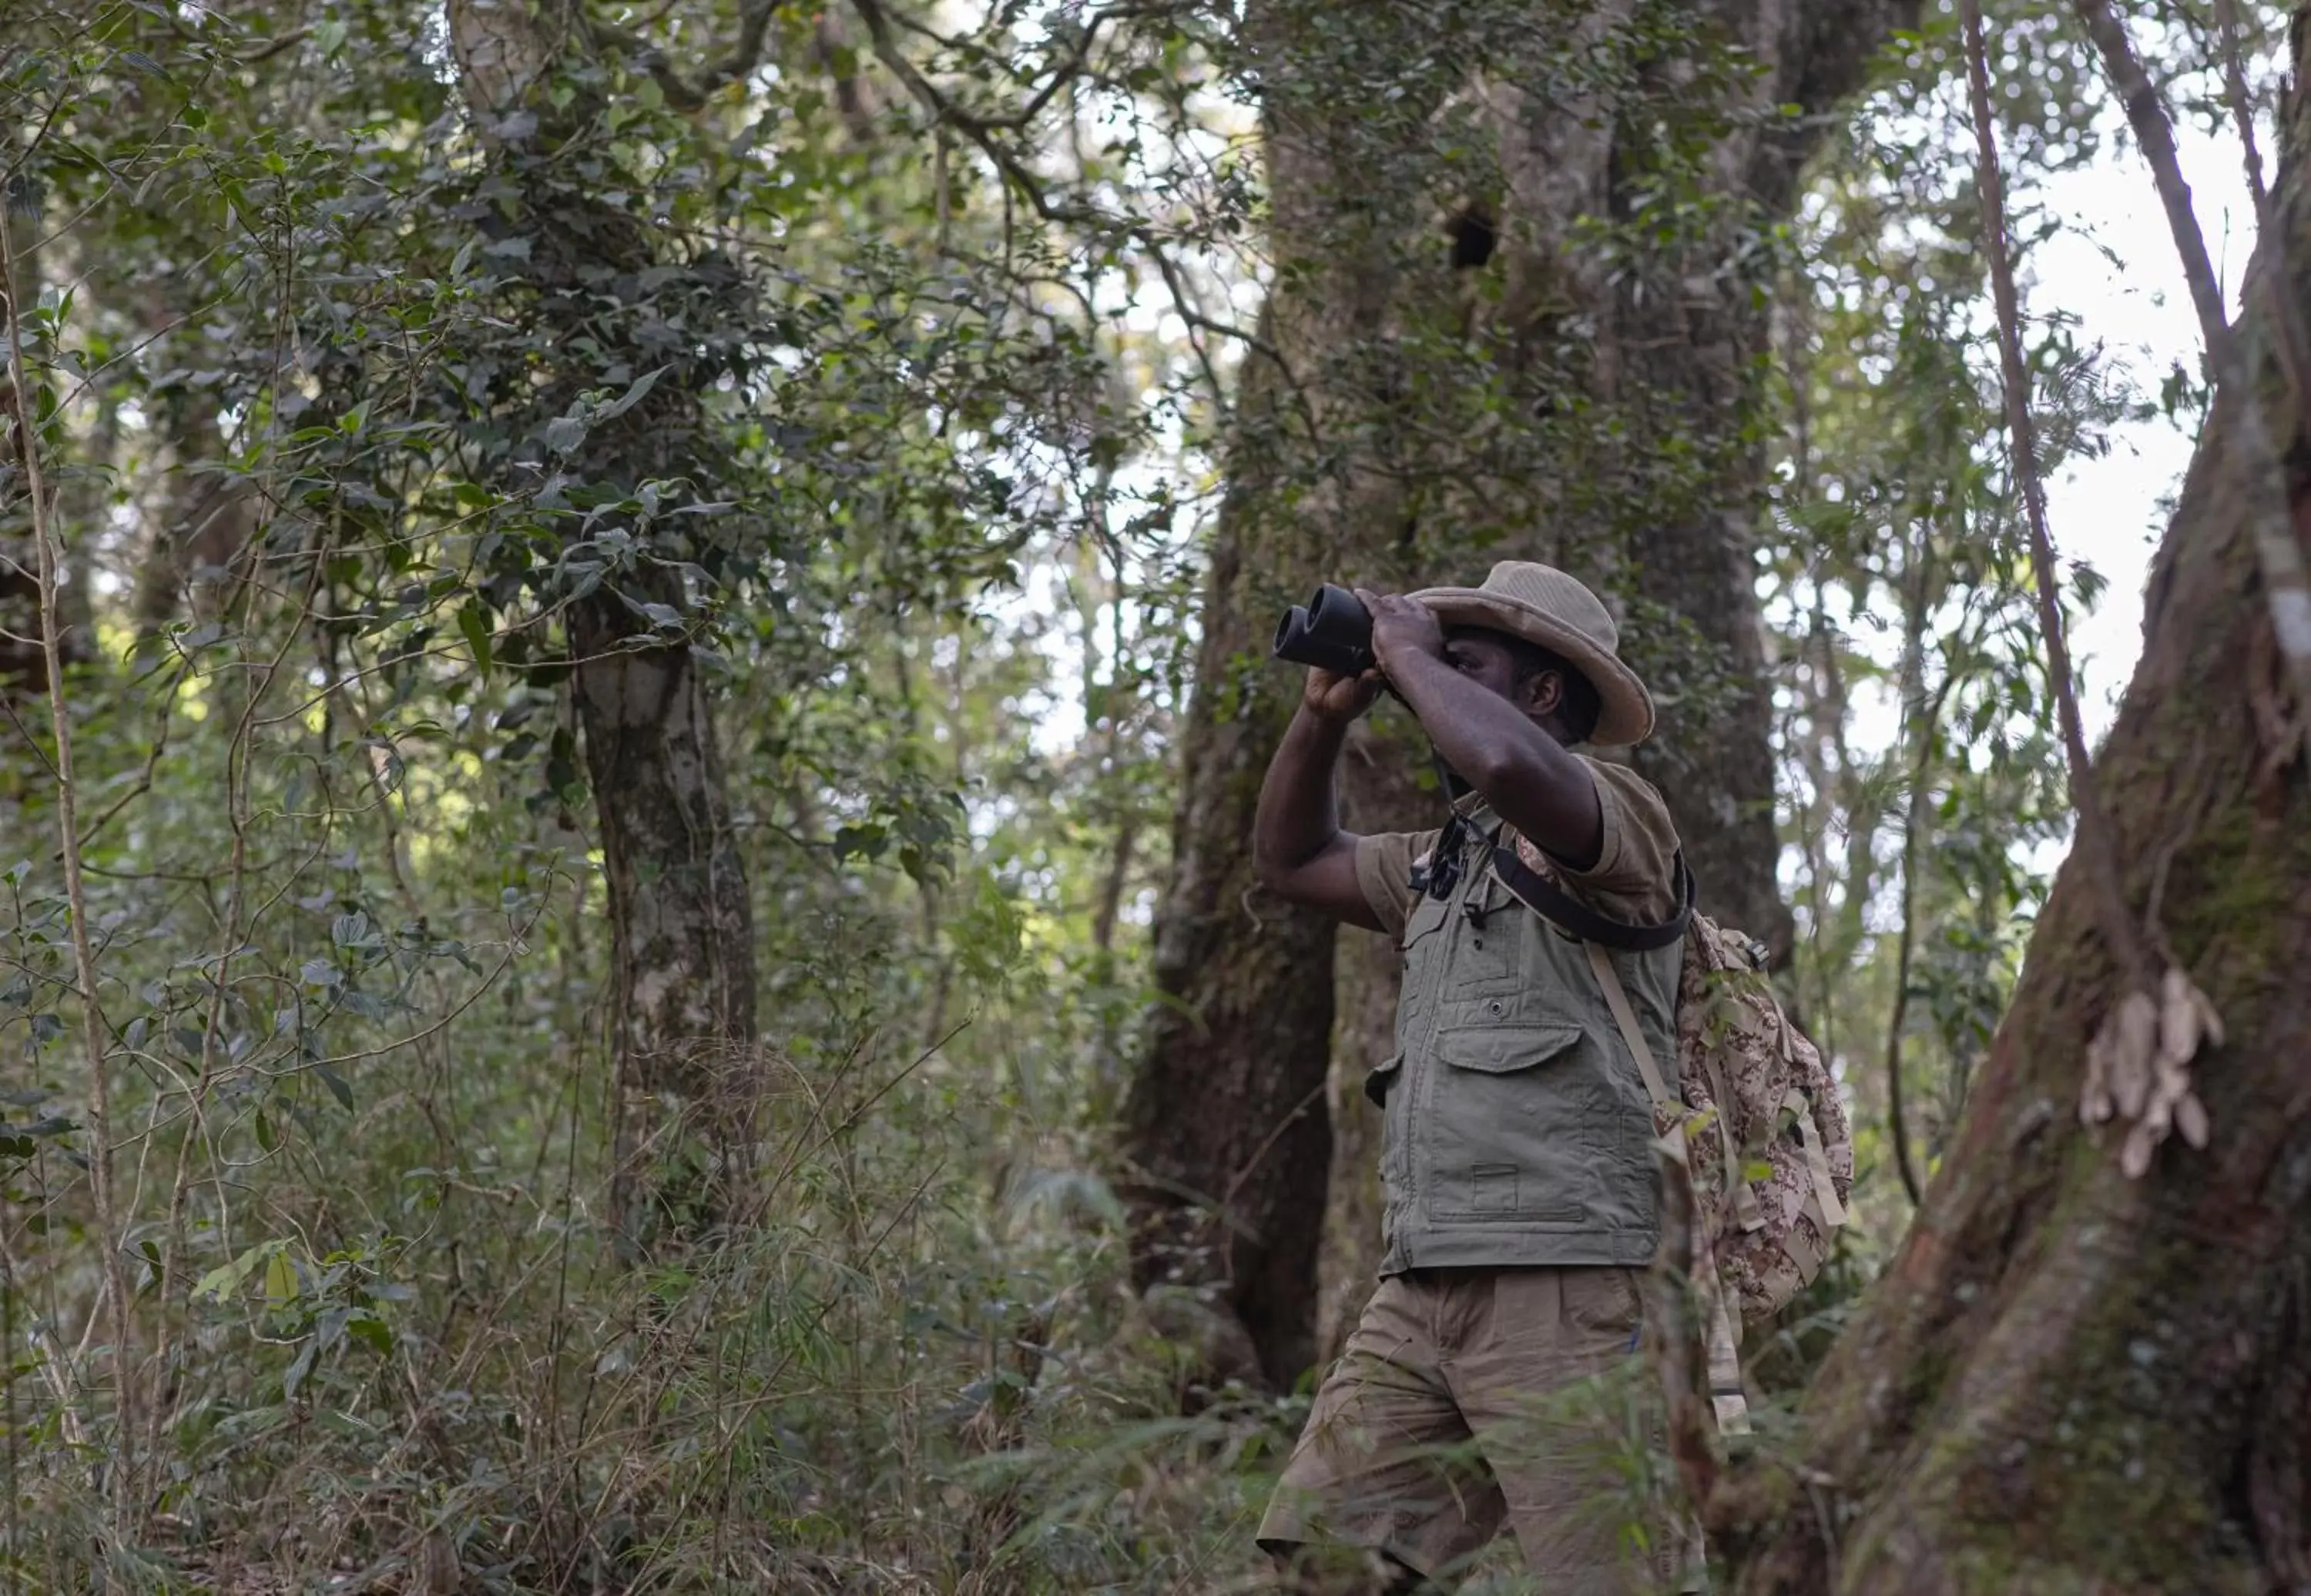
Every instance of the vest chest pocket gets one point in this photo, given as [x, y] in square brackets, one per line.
[1487, 931]
[1515, 1118]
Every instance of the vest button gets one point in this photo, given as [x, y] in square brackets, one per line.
[1494, 1008]
[1477, 941]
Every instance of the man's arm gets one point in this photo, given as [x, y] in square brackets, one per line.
[1297, 846]
[1531, 781]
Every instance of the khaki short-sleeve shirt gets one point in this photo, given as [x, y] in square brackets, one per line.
[1634, 878]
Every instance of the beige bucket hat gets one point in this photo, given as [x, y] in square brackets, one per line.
[1542, 604]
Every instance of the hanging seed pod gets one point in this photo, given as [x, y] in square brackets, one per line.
[2095, 1103]
[2191, 1119]
[2135, 1157]
[2178, 1016]
[2135, 1031]
[2211, 1024]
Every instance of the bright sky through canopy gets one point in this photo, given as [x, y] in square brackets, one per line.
[2110, 513]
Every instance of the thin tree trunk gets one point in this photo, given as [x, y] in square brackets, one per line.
[682, 926]
[2068, 1380]
[682, 948]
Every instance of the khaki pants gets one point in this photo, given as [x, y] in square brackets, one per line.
[1437, 1426]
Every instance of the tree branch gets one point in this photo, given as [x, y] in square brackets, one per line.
[1914, 828]
[1018, 176]
[127, 1497]
[2270, 229]
[2116, 921]
[2286, 585]
[683, 95]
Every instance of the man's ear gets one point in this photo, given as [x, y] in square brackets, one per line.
[1544, 693]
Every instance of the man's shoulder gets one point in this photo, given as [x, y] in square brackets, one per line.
[1624, 783]
[1635, 877]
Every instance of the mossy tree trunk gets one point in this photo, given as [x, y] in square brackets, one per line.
[2068, 1380]
[1477, 349]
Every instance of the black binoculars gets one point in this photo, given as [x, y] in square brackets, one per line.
[1332, 631]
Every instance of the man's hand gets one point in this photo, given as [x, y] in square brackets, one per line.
[1336, 698]
[1402, 629]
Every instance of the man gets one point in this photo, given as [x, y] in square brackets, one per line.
[1517, 1141]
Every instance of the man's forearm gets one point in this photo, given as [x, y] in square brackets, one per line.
[1298, 816]
[1529, 778]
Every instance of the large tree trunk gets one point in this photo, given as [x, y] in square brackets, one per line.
[1226, 1127]
[2068, 1381]
[1426, 422]
[682, 926]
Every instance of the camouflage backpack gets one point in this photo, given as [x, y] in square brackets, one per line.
[1769, 1194]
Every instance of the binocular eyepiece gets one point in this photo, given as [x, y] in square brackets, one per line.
[1332, 631]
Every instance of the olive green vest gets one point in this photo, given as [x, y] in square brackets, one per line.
[1517, 1131]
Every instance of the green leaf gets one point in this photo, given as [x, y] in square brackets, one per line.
[336, 1085]
[279, 1277]
[564, 434]
[226, 1279]
[632, 396]
[475, 626]
[367, 1328]
[298, 1367]
[862, 840]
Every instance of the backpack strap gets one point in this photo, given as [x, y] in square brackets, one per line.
[1729, 1401]
[1721, 1336]
[1746, 1211]
[1816, 1157]
[1616, 998]
[1529, 888]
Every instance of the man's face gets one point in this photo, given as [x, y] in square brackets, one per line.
[1485, 657]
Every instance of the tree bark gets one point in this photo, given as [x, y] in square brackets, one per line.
[1408, 423]
[682, 946]
[682, 933]
[2067, 1380]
